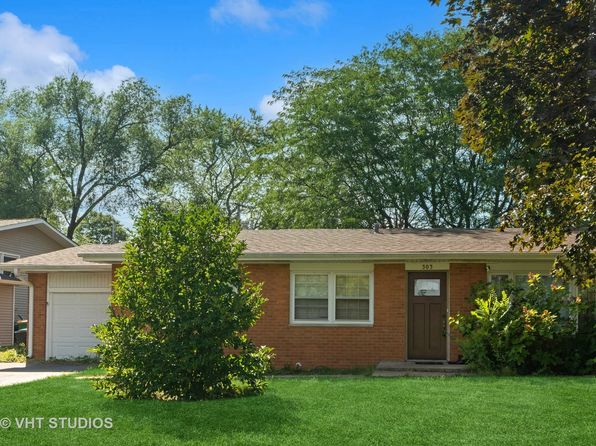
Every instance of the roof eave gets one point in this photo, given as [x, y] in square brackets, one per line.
[58, 268]
[44, 227]
[369, 257]
[113, 258]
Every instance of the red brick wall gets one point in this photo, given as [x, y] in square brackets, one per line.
[40, 289]
[461, 278]
[337, 347]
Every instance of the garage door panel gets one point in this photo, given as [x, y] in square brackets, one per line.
[73, 314]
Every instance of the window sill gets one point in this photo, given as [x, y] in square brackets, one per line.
[331, 324]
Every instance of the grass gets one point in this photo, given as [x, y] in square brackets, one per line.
[13, 353]
[321, 410]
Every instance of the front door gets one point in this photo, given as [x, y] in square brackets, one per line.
[427, 316]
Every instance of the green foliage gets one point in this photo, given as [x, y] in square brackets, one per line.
[529, 72]
[100, 228]
[531, 330]
[181, 307]
[215, 164]
[23, 188]
[89, 149]
[16, 353]
[374, 139]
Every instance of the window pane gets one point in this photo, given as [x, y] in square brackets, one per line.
[311, 297]
[310, 309]
[352, 286]
[311, 286]
[521, 280]
[427, 287]
[352, 309]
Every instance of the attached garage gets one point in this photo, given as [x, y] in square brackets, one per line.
[76, 302]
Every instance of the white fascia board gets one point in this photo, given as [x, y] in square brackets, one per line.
[102, 257]
[57, 268]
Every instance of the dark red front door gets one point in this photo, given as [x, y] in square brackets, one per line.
[427, 298]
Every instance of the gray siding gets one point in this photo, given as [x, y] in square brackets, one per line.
[27, 241]
[21, 303]
[24, 242]
[6, 323]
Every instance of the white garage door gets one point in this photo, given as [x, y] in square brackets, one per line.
[72, 315]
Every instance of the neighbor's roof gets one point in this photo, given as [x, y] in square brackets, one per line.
[63, 259]
[42, 225]
[324, 245]
[14, 222]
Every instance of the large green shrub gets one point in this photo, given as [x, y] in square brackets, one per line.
[526, 330]
[181, 307]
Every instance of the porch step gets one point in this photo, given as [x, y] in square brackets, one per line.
[419, 368]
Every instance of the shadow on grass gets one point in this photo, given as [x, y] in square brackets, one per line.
[214, 420]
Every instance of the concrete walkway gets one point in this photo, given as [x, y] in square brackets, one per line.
[16, 373]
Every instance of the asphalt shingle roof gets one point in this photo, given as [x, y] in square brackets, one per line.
[323, 241]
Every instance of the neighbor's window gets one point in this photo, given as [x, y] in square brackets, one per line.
[332, 297]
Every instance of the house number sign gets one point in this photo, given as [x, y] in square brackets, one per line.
[427, 266]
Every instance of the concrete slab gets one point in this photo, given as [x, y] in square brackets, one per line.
[16, 373]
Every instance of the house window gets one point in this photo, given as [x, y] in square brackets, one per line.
[7, 258]
[311, 299]
[499, 281]
[332, 298]
[352, 297]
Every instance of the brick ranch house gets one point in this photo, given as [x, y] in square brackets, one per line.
[337, 298]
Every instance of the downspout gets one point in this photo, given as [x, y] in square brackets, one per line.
[29, 317]
[30, 321]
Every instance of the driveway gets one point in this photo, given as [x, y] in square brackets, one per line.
[16, 373]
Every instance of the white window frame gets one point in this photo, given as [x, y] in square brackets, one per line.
[573, 289]
[8, 254]
[331, 280]
[511, 275]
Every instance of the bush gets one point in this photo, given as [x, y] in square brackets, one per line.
[533, 330]
[17, 353]
[181, 307]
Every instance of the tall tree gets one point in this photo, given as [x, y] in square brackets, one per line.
[100, 228]
[98, 148]
[23, 186]
[529, 73]
[373, 139]
[216, 163]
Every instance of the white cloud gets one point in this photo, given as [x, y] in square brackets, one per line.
[247, 12]
[107, 80]
[254, 13]
[31, 57]
[269, 108]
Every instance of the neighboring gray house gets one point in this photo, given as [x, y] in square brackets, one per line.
[19, 239]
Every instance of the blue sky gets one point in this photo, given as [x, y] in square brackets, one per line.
[228, 54]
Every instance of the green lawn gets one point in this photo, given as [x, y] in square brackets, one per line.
[317, 411]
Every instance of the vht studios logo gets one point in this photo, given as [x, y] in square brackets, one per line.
[56, 423]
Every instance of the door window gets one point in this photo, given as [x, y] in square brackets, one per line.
[427, 287]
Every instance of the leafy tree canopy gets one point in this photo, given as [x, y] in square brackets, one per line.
[100, 228]
[529, 73]
[91, 149]
[373, 139]
[215, 164]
